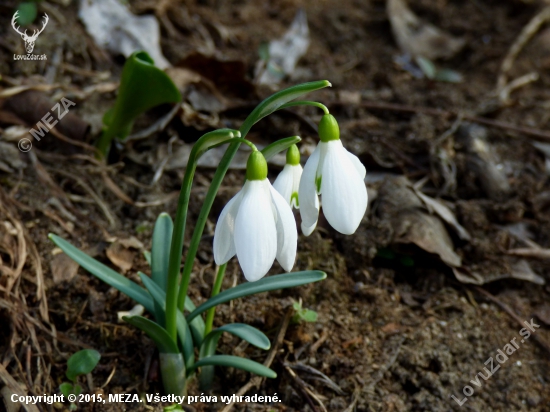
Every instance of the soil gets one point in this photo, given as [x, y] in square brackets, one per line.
[397, 330]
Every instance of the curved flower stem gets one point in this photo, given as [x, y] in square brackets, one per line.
[305, 103]
[177, 245]
[215, 290]
[239, 139]
[201, 221]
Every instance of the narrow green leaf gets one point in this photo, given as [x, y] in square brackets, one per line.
[277, 147]
[197, 325]
[448, 75]
[208, 347]
[156, 332]
[237, 362]
[287, 280]
[82, 362]
[184, 334]
[105, 273]
[273, 102]
[160, 250]
[160, 253]
[147, 256]
[241, 330]
[427, 67]
[213, 139]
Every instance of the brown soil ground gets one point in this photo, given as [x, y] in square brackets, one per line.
[396, 330]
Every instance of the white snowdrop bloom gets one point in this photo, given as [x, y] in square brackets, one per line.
[288, 181]
[257, 225]
[337, 175]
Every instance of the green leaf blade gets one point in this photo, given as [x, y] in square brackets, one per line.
[267, 284]
[275, 101]
[105, 273]
[160, 254]
[157, 333]
[82, 363]
[277, 147]
[184, 333]
[237, 362]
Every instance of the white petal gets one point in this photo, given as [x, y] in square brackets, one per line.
[308, 230]
[284, 183]
[255, 231]
[307, 192]
[296, 177]
[224, 246]
[357, 163]
[287, 235]
[344, 190]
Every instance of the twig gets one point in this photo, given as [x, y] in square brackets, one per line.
[308, 393]
[15, 388]
[257, 380]
[504, 93]
[512, 314]
[528, 31]
[324, 336]
[351, 406]
[156, 127]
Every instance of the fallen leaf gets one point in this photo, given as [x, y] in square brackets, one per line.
[398, 202]
[517, 270]
[283, 54]
[120, 256]
[131, 242]
[418, 38]
[63, 268]
[483, 160]
[114, 27]
[439, 208]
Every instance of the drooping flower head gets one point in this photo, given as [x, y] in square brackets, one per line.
[257, 225]
[338, 176]
[288, 181]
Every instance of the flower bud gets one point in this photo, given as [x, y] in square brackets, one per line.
[256, 167]
[328, 129]
[293, 155]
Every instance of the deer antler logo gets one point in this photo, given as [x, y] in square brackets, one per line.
[29, 40]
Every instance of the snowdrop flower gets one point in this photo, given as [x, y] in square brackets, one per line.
[257, 225]
[337, 175]
[288, 181]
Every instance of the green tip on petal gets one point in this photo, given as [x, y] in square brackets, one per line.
[328, 128]
[256, 167]
[293, 155]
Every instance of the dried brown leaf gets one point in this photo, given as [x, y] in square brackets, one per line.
[419, 38]
[120, 256]
[63, 268]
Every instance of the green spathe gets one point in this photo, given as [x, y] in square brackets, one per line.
[256, 167]
[328, 129]
[293, 156]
